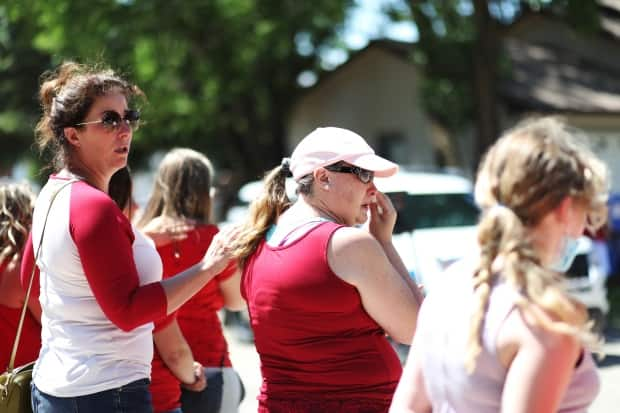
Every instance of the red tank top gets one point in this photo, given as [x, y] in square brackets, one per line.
[30, 341]
[197, 318]
[318, 346]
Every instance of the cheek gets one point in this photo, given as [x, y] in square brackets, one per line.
[577, 228]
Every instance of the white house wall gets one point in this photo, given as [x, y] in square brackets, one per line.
[374, 94]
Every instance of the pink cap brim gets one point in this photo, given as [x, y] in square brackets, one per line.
[380, 166]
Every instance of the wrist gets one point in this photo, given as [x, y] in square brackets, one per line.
[195, 377]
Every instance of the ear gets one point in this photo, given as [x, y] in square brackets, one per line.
[321, 177]
[72, 136]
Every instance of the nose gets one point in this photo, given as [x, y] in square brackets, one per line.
[124, 129]
[372, 189]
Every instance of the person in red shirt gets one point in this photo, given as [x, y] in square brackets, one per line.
[181, 204]
[16, 203]
[322, 289]
[173, 357]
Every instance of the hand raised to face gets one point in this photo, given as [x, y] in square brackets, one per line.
[382, 218]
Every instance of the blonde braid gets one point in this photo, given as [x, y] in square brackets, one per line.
[531, 169]
[496, 231]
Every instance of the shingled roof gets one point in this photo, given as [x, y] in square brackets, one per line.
[547, 76]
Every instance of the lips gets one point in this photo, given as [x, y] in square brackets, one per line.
[122, 150]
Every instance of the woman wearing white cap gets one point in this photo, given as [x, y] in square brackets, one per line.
[322, 292]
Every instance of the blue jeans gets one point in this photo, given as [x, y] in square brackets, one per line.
[130, 398]
[223, 394]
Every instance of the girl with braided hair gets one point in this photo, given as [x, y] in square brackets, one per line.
[502, 333]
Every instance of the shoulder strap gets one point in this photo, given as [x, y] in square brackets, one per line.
[27, 298]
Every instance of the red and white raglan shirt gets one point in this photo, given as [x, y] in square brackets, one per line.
[97, 309]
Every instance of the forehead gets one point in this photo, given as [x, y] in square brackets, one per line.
[114, 100]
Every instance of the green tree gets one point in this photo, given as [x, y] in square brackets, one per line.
[460, 47]
[20, 66]
[220, 75]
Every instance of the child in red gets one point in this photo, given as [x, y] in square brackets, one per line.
[177, 216]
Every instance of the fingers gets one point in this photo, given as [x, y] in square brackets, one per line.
[384, 202]
[229, 235]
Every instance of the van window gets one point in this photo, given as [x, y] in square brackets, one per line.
[422, 211]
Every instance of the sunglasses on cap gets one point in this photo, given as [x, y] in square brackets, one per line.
[111, 120]
[363, 175]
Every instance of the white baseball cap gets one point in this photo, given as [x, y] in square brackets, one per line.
[329, 145]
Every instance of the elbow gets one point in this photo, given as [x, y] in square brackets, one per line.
[125, 323]
[126, 327]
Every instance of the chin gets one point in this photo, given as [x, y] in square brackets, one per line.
[361, 220]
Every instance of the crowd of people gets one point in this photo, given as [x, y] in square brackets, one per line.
[123, 313]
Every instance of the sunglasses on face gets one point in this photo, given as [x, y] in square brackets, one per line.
[112, 120]
[363, 175]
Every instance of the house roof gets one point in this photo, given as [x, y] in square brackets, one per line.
[402, 50]
[547, 76]
[610, 17]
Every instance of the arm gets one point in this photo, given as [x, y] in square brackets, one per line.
[381, 225]
[357, 258]
[177, 355]
[541, 366]
[231, 291]
[411, 395]
[26, 266]
[104, 237]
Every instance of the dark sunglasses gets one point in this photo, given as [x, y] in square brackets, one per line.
[112, 120]
[363, 175]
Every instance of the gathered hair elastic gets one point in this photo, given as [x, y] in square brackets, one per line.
[286, 167]
[498, 208]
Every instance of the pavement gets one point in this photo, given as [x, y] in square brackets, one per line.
[245, 359]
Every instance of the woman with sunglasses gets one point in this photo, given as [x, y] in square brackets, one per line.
[322, 292]
[97, 308]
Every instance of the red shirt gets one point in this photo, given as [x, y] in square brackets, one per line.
[30, 341]
[165, 388]
[318, 346]
[197, 318]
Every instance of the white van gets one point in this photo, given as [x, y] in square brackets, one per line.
[436, 226]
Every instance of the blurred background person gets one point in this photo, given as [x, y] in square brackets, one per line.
[16, 203]
[322, 293]
[173, 363]
[181, 198]
[97, 311]
[502, 334]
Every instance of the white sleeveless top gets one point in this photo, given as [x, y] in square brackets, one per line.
[441, 342]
